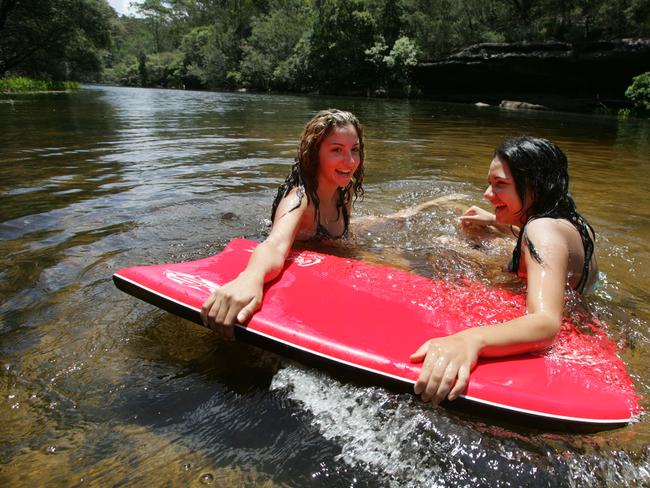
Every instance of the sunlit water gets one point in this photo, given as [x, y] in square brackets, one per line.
[101, 389]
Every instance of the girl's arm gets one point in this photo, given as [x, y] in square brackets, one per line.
[236, 301]
[447, 200]
[449, 360]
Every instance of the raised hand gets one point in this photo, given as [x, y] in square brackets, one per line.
[476, 217]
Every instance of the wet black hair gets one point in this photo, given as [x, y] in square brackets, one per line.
[540, 171]
[304, 171]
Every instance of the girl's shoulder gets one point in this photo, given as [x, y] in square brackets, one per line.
[297, 191]
[293, 199]
[549, 227]
[552, 233]
[540, 233]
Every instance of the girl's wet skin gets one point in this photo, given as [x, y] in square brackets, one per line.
[550, 252]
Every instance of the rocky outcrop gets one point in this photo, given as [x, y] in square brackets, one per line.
[549, 74]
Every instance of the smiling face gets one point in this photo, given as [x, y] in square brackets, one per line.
[339, 157]
[502, 194]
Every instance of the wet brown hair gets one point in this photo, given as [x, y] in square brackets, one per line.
[304, 171]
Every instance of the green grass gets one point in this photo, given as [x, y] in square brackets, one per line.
[28, 85]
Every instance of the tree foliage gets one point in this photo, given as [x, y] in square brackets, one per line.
[266, 54]
[54, 39]
[639, 92]
[342, 32]
[335, 46]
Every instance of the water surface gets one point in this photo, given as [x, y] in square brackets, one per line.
[101, 389]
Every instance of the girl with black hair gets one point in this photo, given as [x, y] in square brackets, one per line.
[528, 185]
[314, 202]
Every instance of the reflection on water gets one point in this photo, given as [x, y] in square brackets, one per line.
[101, 389]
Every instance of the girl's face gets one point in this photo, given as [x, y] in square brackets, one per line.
[502, 194]
[339, 157]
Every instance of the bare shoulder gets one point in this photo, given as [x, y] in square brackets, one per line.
[294, 216]
[547, 237]
[294, 200]
[547, 228]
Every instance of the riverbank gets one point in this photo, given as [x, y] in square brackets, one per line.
[23, 85]
[590, 77]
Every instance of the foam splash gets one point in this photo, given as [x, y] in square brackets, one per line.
[410, 444]
[376, 429]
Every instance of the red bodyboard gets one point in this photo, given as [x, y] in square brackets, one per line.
[373, 318]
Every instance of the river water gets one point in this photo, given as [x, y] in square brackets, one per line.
[100, 389]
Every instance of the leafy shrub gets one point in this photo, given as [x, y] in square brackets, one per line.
[124, 73]
[163, 69]
[639, 92]
[393, 66]
[22, 84]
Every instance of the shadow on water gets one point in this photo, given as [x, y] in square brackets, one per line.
[101, 389]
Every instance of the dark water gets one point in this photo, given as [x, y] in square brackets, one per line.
[100, 389]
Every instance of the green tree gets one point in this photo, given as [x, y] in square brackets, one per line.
[164, 70]
[54, 39]
[125, 72]
[343, 31]
[271, 43]
[338, 46]
[159, 19]
[235, 16]
[639, 92]
[393, 65]
[295, 73]
[401, 60]
[205, 57]
[390, 20]
[440, 27]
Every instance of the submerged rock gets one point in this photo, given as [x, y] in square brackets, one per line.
[514, 105]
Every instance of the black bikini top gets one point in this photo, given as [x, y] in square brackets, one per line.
[321, 232]
[325, 235]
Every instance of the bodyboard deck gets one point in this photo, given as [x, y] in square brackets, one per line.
[371, 318]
